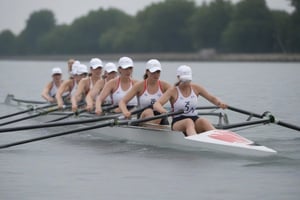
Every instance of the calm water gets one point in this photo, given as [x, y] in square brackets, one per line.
[84, 167]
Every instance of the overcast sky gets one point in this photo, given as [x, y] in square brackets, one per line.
[14, 13]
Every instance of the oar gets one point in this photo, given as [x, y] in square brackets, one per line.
[111, 122]
[77, 113]
[41, 112]
[241, 124]
[73, 122]
[29, 101]
[11, 97]
[67, 116]
[271, 118]
[32, 108]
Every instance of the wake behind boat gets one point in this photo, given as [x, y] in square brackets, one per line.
[160, 135]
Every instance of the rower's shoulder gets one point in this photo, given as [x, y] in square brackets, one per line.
[85, 80]
[68, 82]
[135, 81]
[165, 85]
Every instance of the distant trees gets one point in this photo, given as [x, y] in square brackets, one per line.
[169, 26]
[163, 27]
[208, 23]
[250, 29]
[294, 28]
[38, 25]
[7, 43]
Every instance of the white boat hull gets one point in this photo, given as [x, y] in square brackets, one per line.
[164, 137]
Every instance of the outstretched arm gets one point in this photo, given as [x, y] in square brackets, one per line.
[213, 99]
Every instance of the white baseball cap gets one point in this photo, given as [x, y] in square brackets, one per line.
[95, 63]
[75, 65]
[125, 62]
[185, 73]
[153, 65]
[81, 69]
[56, 70]
[110, 67]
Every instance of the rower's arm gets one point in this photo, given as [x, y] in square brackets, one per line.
[63, 88]
[45, 92]
[203, 92]
[158, 105]
[107, 89]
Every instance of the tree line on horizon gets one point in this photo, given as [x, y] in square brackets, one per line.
[248, 26]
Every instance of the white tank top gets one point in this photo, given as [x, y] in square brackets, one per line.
[119, 94]
[73, 91]
[146, 98]
[53, 90]
[188, 104]
[108, 99]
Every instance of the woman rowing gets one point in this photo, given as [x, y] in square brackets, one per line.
[70, 64]
[184, 96]
[110, 72]
[68, 87]
[51, 88]
[147, 91]
[118, 87]
[86, 84]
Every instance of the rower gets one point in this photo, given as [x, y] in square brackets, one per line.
[184, 96]
[119, 86]
[110, 72]
[68, 87]
[147, 92]
[86, 84]
[51, 88]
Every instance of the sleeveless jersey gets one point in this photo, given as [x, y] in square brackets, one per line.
[91, 85]
[53, 90]
[73, 91]
[108, 99]
[146, 98]
[188, 104]
[119, 94]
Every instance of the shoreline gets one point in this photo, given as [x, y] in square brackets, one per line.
[201, 56]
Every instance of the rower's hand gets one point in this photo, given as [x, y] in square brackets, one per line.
[222, 105]
[164, 111]
[89, 108]
[74, 108]
[60, 106]
[98, 111]
[51, 100]
[127, 114]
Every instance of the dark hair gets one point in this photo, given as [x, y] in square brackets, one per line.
[178, 82]
[145, 75]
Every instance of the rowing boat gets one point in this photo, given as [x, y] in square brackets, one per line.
[162, 136]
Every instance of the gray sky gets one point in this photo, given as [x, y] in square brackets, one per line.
[14, 13]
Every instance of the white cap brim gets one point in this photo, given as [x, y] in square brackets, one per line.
[126, 66]
[185, 77]
[111, 70]
[95, 67]
[154, 69]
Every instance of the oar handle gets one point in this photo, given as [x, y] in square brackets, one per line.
[245, 112]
